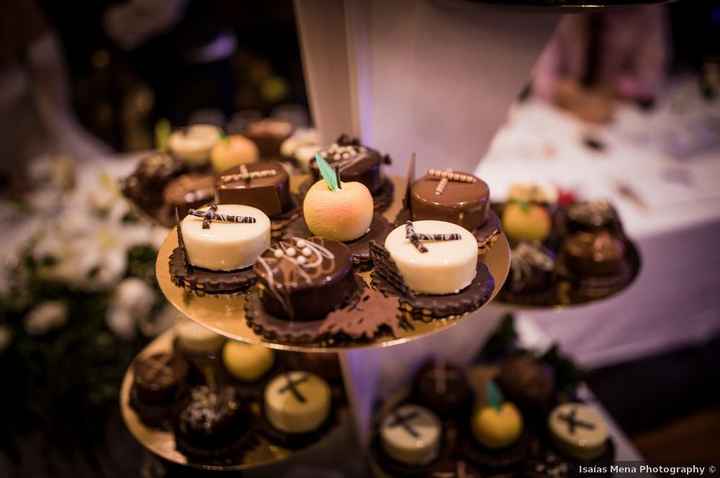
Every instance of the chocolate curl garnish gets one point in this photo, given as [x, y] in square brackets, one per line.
[245, 175]
[408, 185]
[400, 420]
[181, 240]
[416, 237]
[211, 214]
[291, 386]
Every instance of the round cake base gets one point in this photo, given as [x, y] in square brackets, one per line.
[203, 281]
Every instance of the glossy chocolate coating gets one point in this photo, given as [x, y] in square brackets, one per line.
[593, 216]
[159, 377]
[189, 191]
[153, 172]
[443, 388]
[356, 161]
[594, 254]
[210, 418]
[268, 134]
[320, 290]
[464, 204]
[270, 194]
[527, 382]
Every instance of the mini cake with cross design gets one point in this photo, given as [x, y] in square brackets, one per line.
[158, 381]
[193, 144]
[297, 402]
[444, 195]
[443, 387]
[434, 257]
[356, 162]
[264, 185]
[411, 435]
[579, 431]
[304, 279]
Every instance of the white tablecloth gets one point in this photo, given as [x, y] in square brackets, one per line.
[674, 300]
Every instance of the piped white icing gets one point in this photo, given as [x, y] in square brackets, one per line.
[446, 268]
[411, 434]
[297, 402]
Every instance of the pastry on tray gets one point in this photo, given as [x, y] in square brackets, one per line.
[189, 191]
[269, 134]
[217, 248]
[232, 151]
[193, 144]
[159, 382]
[145, 186]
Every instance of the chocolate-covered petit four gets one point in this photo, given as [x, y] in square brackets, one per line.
[592, 216]
[160, 377]
[211, 422]
[269, 134]
[264, 185]
[594, 253]
[305, 279]
[460, 198]
[531, 268]
[355, 161]
[443, 388]
[189, 191]
[528, 382]
[148, 181]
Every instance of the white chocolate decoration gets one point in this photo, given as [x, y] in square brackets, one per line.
[297, 402]
[226, 246]
[411, 435]
[446, 268]
[197, 339]
[194, 143]
[247, 362]
[579, 430]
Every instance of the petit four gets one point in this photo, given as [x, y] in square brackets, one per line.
[497, 423]
[594, 254]
[159, 380]
[434, 257]
[210, 423]
[355, 161]
[269, 134]
[411, 435]
[592, 216]
[152, 173]
[443, 388]
[533, 193]
[189, 191]
[194, 143]
[337, 210]
[304, 279]
[264, 185]
[528, 382]
[193, 338]
[531, 268]
[297, 402]
[523, 221]
[446, 195]
[233, 151]
[225, 237]
[579, 431]
[247, 362]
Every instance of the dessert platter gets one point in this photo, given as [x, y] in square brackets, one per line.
[565, 251]
[194, 398]
[517, 414]
[341, 274]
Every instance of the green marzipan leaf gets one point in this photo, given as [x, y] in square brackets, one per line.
[493, 395]
[327, 172]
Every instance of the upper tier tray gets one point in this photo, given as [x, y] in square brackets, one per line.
[569, 6]
[225, 314]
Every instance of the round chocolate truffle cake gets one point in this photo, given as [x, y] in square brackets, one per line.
[264, 185]
[304, 279]
[460, 198]
[355, 162]
[189, 191]
[594, 254]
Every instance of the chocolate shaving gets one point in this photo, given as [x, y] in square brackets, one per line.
[211, 214]
[416, 237]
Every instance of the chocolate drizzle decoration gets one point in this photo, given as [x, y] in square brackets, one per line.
[416, 238]
[573, 422]
[245, 175]
[292, 387]
[211, 214]
[405, 421]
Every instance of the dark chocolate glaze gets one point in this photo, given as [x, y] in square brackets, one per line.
[189, 191]
[356, 161]
[594, 254]
[146, 184]
[592, 216]
[270, 194]
[443, 388]
[160, 377]
[464, 204]
[268, 134]
[297, 292]
[528, 382]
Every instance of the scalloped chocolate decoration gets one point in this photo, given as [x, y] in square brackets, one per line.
[363, 317]
[382, 198]
[204, 281]
[360, 248]
[387, 278]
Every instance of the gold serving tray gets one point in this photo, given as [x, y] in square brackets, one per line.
[162, 443]
[225, 314]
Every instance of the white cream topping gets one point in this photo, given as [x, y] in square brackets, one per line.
[411, 434]
[579, 430]
[446, 268]
[194, 143]
[226, 246]
[297, 402]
